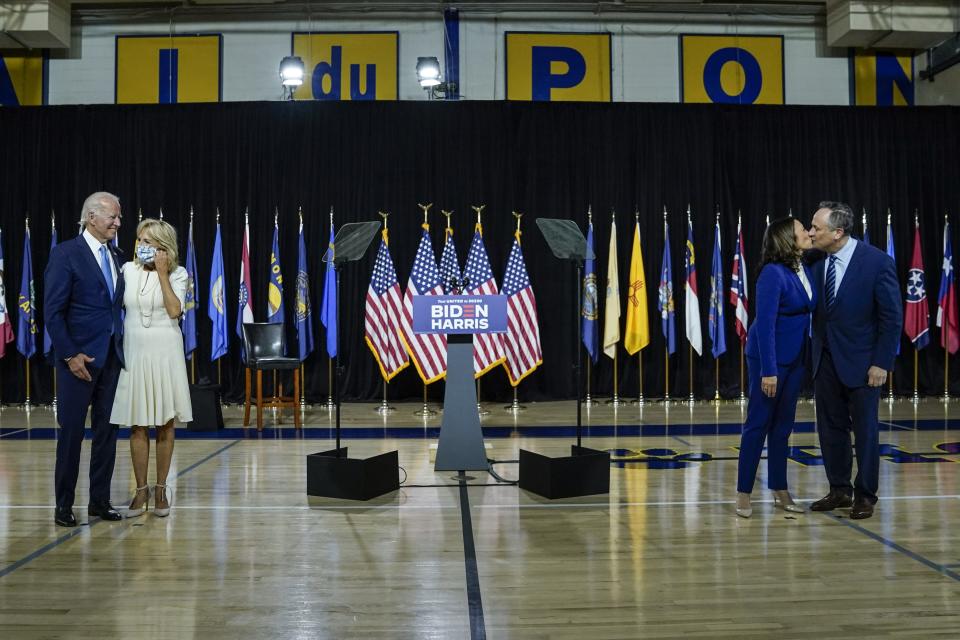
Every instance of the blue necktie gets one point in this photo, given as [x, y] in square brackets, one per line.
[830, 284]
[105, 268]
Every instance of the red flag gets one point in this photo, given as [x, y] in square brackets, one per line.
[947, 300]
[738, 289]
[6, 327]
[917, 314]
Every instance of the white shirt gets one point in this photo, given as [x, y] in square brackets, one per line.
[843, 257]
[95, 245]
[806, 283]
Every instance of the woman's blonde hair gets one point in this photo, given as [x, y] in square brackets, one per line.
[163, 236]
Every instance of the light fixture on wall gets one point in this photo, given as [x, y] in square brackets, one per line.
[291, 75]
[428, 75]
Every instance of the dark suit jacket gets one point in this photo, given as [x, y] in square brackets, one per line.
[77, 310]
[781, 328]
[863, 327]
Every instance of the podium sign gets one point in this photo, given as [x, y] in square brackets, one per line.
[460, 447]
[459, 314]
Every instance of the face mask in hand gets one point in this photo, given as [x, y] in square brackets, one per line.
[146, 253]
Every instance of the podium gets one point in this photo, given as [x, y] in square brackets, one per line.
[331, 474]
[460, 447]
[585, 471]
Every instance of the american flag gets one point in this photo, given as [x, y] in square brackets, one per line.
[738, 289]
[428, 351]
[449, 266]
[487, 347]
[917, 315]
[382, 315]
[522, 340]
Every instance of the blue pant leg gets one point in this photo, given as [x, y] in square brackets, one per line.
[73, 399]
[864, 409]
[789, 382]
[755, 428]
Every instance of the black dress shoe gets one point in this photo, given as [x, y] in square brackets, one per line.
[836, 499]
[64, 518]
[104, 511]
[862, 509]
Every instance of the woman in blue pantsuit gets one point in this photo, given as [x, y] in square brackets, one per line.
[776, 350]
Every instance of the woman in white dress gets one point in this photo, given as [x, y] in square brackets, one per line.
[153, 389]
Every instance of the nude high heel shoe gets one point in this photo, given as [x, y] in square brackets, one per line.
[744, 511]
[142, 509]
[783, 500]
[161, 490]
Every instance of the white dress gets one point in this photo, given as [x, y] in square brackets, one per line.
[153, 387]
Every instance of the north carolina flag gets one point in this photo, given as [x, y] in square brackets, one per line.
[947, 300]
[692, 301]
[917, 315]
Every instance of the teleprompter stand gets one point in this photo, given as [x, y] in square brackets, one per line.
[585, 471]
[332, 474]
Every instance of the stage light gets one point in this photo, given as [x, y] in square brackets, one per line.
[291, 71]
[428, 72]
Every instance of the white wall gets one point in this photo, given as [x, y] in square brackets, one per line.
[645, 57]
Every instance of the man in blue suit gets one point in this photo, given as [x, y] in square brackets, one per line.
[856, 327]
[82, 300]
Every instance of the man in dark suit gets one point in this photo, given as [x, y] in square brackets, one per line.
[82, 298]
[856, 327]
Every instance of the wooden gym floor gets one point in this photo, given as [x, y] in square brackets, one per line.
[246, 554]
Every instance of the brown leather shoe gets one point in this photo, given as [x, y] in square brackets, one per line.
[862, 508]
[836, 499]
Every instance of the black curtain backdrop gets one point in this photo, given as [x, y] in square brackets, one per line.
[545, 160]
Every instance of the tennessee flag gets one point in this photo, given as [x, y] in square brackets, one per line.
[917, 315]
[638, 323]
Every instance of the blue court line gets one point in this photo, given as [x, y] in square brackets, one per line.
[682, 441]
[939, 568]
[78, 530]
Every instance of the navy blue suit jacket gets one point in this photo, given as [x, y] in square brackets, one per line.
[77, 310]
[863, 327]
[781, 328]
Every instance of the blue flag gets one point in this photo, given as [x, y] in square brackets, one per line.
[190, 300]
[47, 342]
[216, 310]
[589, 309]
[893, 256]
[715, 326]
[665, 295]
[304, 312]
[328, 306]
[27, 323]
[275, 284]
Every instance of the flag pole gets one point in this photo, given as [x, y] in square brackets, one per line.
[690, 344]
[515, 405]
[615, 400]
[640, 376]
[946, 324]
[425, 411]
[588, 400]
[384, 407]
[666, 348]
[26, 403]
[303, 373]
[480, 409]
[890, 375]
[916, 359]
[53, 405]
[330, 403]
[716, 361]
